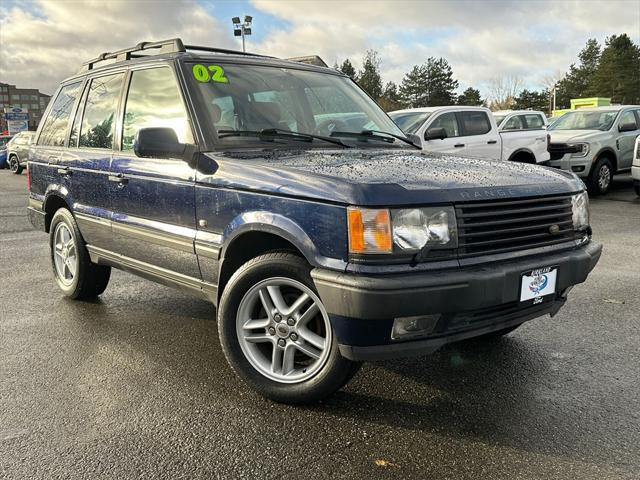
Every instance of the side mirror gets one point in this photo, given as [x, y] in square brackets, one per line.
[437, 133]
[627, 127]
[158, 142]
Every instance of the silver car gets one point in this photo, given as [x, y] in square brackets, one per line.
[18, 151]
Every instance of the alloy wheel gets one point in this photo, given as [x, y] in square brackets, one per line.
[604, 177]
[65, 254]
[284, 330]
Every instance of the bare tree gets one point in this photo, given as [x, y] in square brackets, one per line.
[503, 91]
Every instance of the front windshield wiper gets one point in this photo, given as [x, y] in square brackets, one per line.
[371, 135]
[271, 133]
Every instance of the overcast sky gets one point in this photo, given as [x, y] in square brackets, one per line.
[42, 42]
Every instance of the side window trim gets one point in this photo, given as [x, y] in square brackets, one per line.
[80, 106]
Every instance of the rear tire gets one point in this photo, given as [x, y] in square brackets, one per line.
[636, 187]
[288, 355]
[599, 181]
[73, 271]
[14, 165]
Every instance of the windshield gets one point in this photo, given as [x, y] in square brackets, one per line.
[410, 122]
[256, 98]
[499, 119]
[599, 120]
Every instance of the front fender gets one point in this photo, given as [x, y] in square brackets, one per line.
[282, 226]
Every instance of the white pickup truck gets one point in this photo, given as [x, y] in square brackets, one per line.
[473, 132]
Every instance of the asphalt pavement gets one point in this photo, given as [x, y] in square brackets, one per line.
[135, 385]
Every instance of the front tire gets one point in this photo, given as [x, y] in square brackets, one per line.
[14, 165]
[600, 178]
[276, 334]
[636, 187]
[73, 271]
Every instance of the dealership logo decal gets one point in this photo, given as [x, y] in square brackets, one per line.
[538, 284]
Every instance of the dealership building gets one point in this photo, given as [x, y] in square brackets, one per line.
[28, 99]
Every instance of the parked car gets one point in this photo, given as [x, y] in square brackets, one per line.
[229, 176]
[635, 169]
[595, 143]
[18, 151]
[4, 139]
[472, 131]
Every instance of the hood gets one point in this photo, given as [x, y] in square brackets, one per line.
[382, 177]
[565, 136]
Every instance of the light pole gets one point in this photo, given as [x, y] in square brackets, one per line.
[240, 29]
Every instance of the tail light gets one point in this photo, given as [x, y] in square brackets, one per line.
[28, 178]
[548, 141]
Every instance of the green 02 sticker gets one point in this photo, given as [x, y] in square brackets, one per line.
[213, 73]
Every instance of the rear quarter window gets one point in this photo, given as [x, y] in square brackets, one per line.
[55, 126]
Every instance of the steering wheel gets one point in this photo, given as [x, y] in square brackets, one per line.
[327, 126]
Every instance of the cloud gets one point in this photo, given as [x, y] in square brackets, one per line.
[480, 39]
[46, 41]
[49, 42]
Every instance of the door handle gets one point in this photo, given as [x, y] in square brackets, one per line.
[459, 145]
[492, 142]
[66, 171]
[119, 179]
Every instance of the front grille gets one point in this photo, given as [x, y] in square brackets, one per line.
[505, 226]
[558, 150]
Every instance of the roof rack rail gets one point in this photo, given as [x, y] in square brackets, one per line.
[172, 45]
[165, 46]
[222, 50]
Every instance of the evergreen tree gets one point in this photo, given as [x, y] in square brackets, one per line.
[369, 77]
[532, 100]
[413, 88]
[390, 99]
[470, 97]
[429, 84]
[618, 73]
[347, 69]
[580, 80]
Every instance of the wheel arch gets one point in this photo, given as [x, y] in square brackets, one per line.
[55, 199]
[608, 153]
[255, 233]
[522, 152]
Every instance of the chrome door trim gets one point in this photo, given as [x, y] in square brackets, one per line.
[176, 241]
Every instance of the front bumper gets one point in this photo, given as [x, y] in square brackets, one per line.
[471, 301]
[579, 166]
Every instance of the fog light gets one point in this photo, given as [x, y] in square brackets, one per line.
[577, 168]
[406, 328]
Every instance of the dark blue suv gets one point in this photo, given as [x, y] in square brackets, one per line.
[283, 194]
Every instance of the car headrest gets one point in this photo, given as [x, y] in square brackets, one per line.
[216, 113]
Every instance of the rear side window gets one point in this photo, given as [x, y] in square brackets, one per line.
[534, 121]
[514, 123]
[449, 122]
[475, 123]
[54, 129]
[97, 127]
[154, 101]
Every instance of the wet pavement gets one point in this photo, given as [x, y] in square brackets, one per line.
[135, 385]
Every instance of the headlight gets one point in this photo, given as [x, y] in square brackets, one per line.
[377, 230]
[580, 209]
[579, 149]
